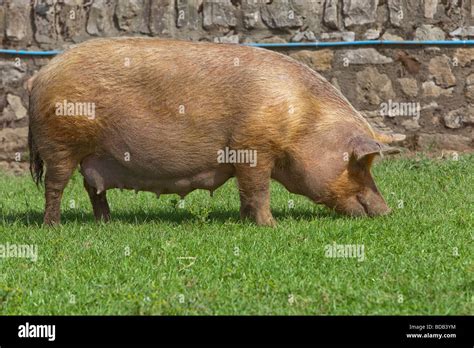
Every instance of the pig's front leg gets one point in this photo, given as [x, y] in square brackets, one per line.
[254, 189]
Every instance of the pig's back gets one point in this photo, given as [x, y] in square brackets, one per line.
[169, 71]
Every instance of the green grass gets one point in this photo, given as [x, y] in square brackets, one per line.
[201, 259]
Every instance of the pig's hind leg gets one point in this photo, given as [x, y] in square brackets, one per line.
[99, 203]
[57, 176]
[254, 190]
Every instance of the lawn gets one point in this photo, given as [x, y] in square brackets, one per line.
[166, 257]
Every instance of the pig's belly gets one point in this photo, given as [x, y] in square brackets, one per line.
[104, 174]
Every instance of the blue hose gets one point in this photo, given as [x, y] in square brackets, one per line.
[29, 53]
[296, 44]
[365, 43]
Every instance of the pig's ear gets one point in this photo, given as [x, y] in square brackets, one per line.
[362, 146]
[389, 138]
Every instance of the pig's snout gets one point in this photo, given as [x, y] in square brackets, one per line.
[373, 205]
[363, 205]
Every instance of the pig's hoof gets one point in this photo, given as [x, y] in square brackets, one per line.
[260, 220]
[51, 223]
[268, 221]
[103, 218]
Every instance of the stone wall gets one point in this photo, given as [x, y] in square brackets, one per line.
[426, 93]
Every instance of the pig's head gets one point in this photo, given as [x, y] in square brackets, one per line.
[336, 172]
[353, 190]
